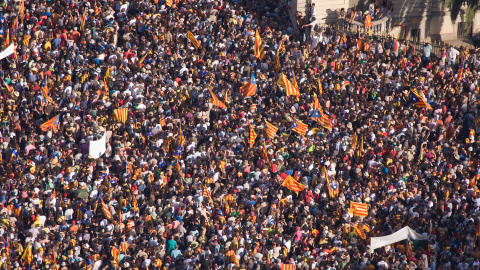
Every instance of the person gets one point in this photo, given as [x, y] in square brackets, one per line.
[452, 54]
[427, 49]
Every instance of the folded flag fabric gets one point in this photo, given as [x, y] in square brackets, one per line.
[258, 50]
[293, 184]
[250, 88]
[121, 114]
[193, 40]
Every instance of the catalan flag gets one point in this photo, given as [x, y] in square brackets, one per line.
[106, 211]
[44, 90]
[368, 21]
[358, 230]
[299, 127]
[320, 89]
[460, 72]
[354, 140]
[208, 195]
[222, 165]
[281, 47]
[264, 152]
[252, 137]
[278, 66]
[289, 87]
[345, 83]
[333, 189]
[116, 254]
[105, 85]
[121, 114]
[409, 250]
[140, 63]
[292, 184]
[15, 27]
[84, 17]
[84, 78]
[250, 88]
[419, 101]
[21, 10]
[193, 40]
[52, 123]
[316, 103]
[97, 9]
[295, 84]
[27, 256]
[258, 50]
[271, 130]
[169, 2]
[178, 153]
[26, 40]
[359, 209]
[181, 138]
[216, 101]
[322, 119]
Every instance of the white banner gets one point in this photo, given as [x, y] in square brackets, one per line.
[7, 52]
[402, 234]
[98, 148]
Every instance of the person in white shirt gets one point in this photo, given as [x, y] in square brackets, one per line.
[452, 55]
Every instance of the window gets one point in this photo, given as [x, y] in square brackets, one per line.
[415, 34]
[461, 31]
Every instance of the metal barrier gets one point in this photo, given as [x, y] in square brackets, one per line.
[377, 33]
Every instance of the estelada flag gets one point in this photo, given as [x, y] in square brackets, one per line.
[299, 127]
[121, 114]
[26, 40]
[271, 130]
[252, 136]
[193, 40]
[250, 88]
[419, 101]
[116, 254]
[292, 184]
[359, 209]
[258, 50]
[52, 123]
[333, 190]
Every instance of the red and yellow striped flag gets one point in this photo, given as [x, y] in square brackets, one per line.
[124, 247]
[7, 41]
[105, 86]
[116, 254]
[52, 123]
[292, 184]
[222, 165]
[216, 101]
[140, 63]
[299, 127]
[26, 40]
[359, 209]
[82, 24]
[105, 210]
[354, 140]
[333, 190]
[121, 114]
[84, 77]
[278, 66]
[271, 130]
[316, 103]
[258, 50]
[264, 152]
[21, 10]
[295, 85]
[285, 83]
[368, 21]
[97, 9]
[169, 3]
[252, 137]
[358, 230]
[250, 88]
[320, 89]
[193, 40]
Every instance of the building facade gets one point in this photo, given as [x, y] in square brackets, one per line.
[412, 19]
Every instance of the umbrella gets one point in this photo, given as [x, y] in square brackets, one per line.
[81, 193]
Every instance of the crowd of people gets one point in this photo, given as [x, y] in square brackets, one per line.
[192, 175]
